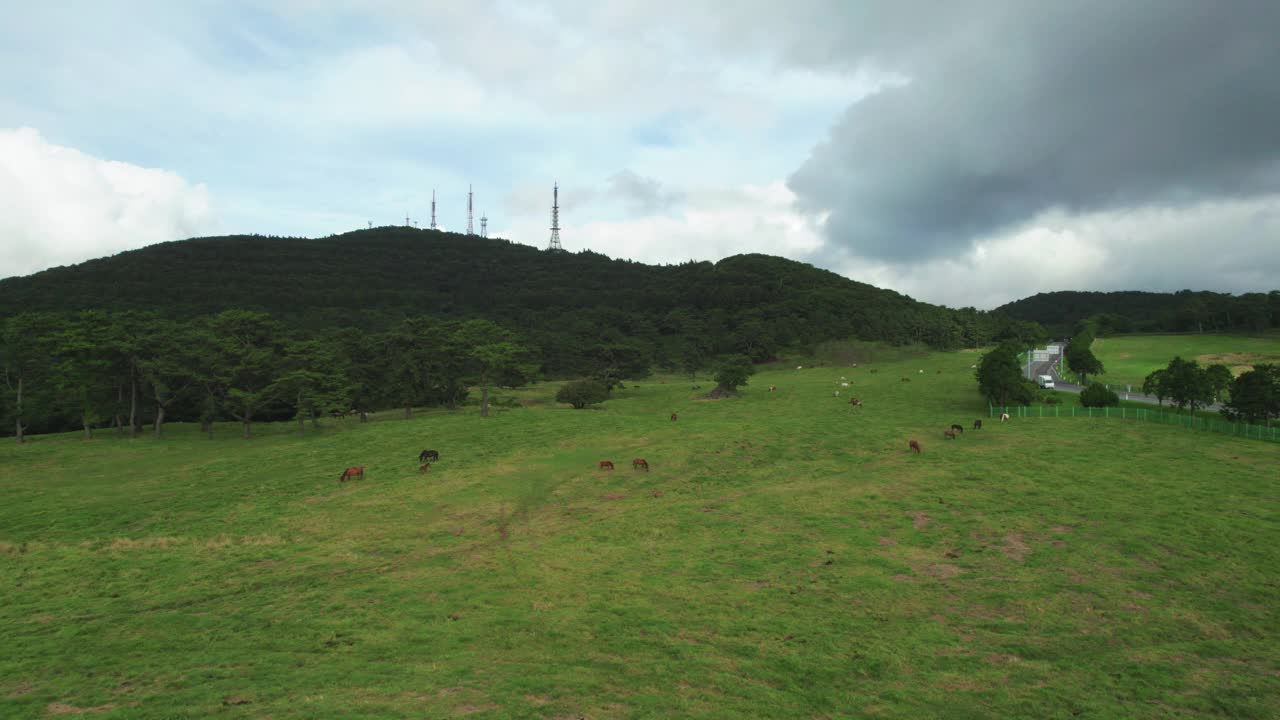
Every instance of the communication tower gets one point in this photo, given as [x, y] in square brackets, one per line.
[555, 219]
[433, 210]
[484, 226]
[470, 226]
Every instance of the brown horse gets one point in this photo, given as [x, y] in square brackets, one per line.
[855, 402]
[674, 417]
[606, 464]
[914, 445]
[424, 468]
[977, 424]
[356, 472]
[772, 388]
[640, 463]
[428, 455]
[949, 434]
[337, 415]
[905, 379]
[958, 428]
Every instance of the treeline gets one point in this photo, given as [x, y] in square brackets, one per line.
[1114, 313]
[568, 305]
[95, 369]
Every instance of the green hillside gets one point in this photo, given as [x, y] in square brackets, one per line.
[372, 279]
[786, 556]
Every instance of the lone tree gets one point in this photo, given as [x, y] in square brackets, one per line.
[1220, 378]
[732, 373]
[1080, 358]
[1000, 376]
[1154, 385]
[1187, 384]
[581, 393]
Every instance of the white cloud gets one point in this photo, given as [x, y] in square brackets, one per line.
[1229, 246]
[712, 223]
[60, 206]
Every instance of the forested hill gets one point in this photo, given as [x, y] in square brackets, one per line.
[372, 279]
[1122, 312]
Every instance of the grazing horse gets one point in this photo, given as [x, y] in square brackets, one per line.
[674, 417]
[353, 473]
[977, 424]
[855, 402]
[905, 379]
[424, 468]
[428, 455]
[606, 464]
[949, 434]
[1004, 417]
[772, 388]
[874, 371]
[958, 428]
[640, 463]
[337, 415]
[914, 445]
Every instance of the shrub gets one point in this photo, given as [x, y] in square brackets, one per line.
[581, 393]
[1097, 395]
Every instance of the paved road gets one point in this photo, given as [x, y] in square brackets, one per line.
[1050, 367]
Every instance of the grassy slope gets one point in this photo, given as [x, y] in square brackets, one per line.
[786, 557]
[1130, 358]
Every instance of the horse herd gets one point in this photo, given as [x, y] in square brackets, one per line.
[426, 457]
[952, 433]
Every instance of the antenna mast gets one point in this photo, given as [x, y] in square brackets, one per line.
[555, 219]
[470, 226]
[433, 210]
[484, 225]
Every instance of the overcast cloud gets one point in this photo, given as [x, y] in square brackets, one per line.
[965, 153]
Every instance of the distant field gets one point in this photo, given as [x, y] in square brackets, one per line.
[1130, 358]
[785, 557]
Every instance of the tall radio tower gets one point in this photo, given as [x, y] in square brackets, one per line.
[484, 226]
[433, 210]
[470, 227]
[555, 219]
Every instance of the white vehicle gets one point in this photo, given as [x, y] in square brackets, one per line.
[1045, 381]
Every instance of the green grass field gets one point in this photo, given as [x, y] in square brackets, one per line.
[785, 557]
[1128, 359]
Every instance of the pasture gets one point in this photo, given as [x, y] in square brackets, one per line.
[1128, 359]
[785, 556]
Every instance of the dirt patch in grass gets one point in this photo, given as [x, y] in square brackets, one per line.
[887, 541]
[65, 709]
[1015, 548]
[920, 520]
[940, 571]
[615, 496]
[21, 690]
[1238, 363]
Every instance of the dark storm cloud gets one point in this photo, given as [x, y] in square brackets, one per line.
[1016, 108]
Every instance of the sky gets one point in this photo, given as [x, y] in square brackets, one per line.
[966, 153]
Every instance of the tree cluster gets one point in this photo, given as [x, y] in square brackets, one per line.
[1255, 396]
[1129, 312]
[94, 369]
[1186, 384]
